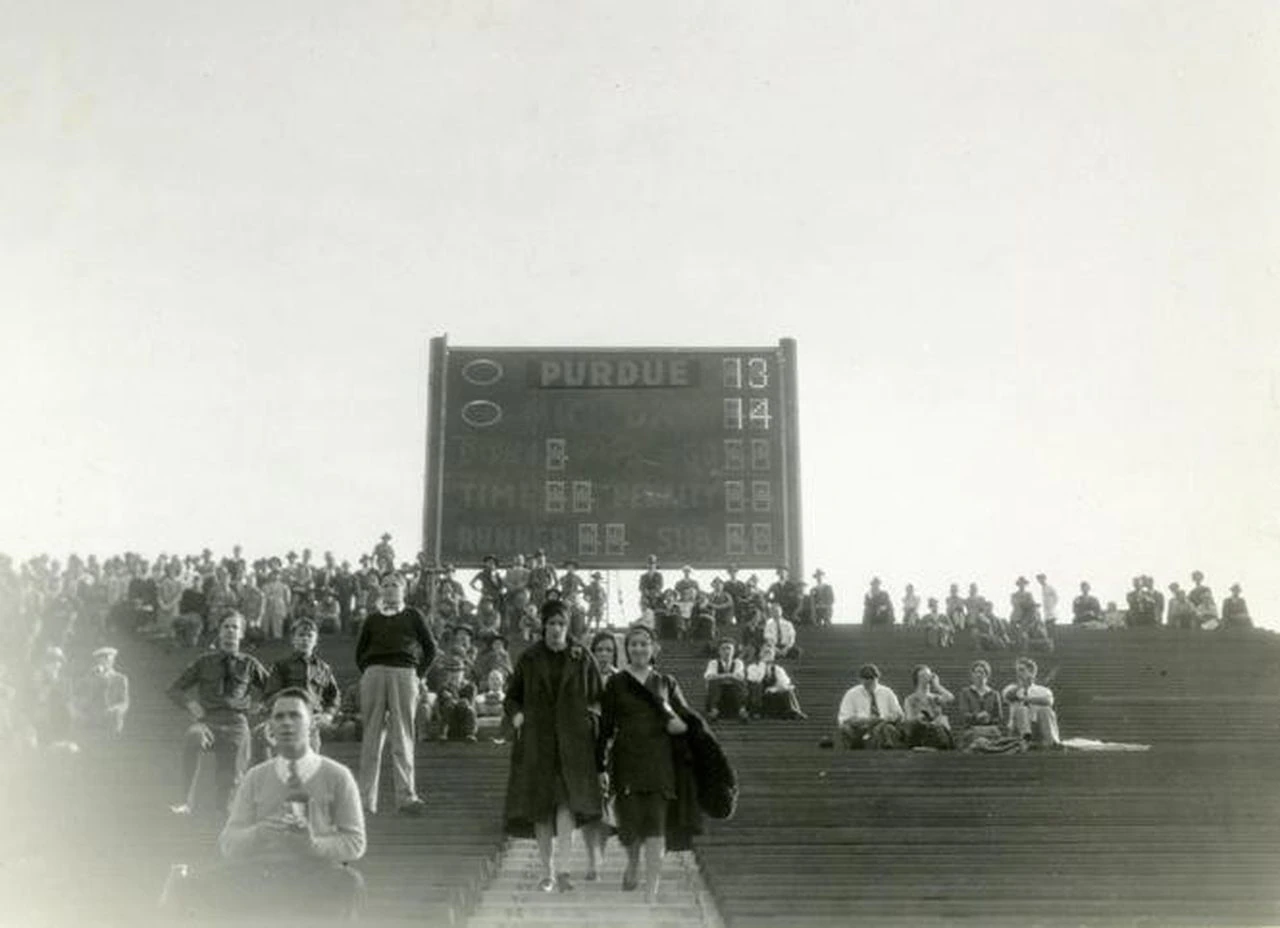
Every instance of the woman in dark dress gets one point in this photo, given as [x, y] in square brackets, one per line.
[638, 719]
[553, 700]
[604, 648]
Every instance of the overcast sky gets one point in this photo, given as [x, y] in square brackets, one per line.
[1028, 252]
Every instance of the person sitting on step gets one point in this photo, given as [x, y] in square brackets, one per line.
[1031, 714]
[454, 718]
[770, 692]
[726, 683]
[924, 711]
[296, 823]
[870, 715]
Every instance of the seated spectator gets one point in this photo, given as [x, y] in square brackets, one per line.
[877, 607]
[1114, 616]
[1031, 714]
[721, 603]
[530, 623]
[296, 821]
[328, 614]
[1182, 613]
[924, 711]
[870, 716]
[1235, 611]
[770, 692]
[726, 683]
[102, 696]
[702, 621]
[494, 657]
[1085, 609]
[463, 647]
[957, 613]
[347, 725]
[305, 670]
[987, 631]
[217, 690]
[1202, 598]
[492, 692]
[937, 628]
[488, 620]
[670, 620]
[454, 716]
[978, 710]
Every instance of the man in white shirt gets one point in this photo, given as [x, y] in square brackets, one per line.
[870, 714]
[1031, 715]
[780, 632]
[1048, 600]
[296, 822]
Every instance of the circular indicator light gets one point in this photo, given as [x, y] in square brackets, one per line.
[481, 414]
[482, 372]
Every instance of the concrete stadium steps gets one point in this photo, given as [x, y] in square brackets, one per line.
[1186, 833]
[421, 871]
[513, 899]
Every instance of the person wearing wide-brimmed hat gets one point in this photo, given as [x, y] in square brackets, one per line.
[877, 606]
[102, 695]
[553, 701]
[1235, 611]
[870, 715]
[651, 583]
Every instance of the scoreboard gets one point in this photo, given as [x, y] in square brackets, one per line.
[609, 455]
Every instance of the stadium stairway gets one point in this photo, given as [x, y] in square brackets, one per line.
[1187, 833]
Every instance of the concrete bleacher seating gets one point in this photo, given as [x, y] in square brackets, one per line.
[1186, 833]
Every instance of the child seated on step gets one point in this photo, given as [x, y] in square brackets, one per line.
[454, 717]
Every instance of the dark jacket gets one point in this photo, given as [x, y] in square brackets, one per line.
[558, 739]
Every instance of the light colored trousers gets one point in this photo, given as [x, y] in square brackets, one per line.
[388, 700]
[1040, 723]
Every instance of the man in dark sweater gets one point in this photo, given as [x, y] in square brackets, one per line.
[393, 652]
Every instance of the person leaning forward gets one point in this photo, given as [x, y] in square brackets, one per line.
[217, 690]
[295, 824]
[393, 652]
[870, 715]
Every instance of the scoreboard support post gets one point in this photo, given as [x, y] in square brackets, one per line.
[791, 448]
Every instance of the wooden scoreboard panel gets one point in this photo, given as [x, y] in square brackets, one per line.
[608, 455]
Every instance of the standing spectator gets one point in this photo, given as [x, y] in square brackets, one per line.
[1085, 608]
[870, 715]
[785, 592]
[957, 612]
[1023, 611]
[642, 711]
[651, 584]
[542, 579]
[49, 699]
[276, 601]
[516, 584]
[910, 606]
[1182, 614]
[449, 590]
[726, 678]
[553, 701]
[1235, 611]
[344, 585]
[102, 697]
[877, 607]
[737, 591]
[384, 556]
[217, 690]
[252, 605]
[1048, 600]
[1150, 585]
[168, 599]
[597, 599]
[823, 598]
[393, 652]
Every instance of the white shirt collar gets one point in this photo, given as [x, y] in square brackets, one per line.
[308, 764]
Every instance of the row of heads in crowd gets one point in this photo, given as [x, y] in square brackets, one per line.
[54, 575]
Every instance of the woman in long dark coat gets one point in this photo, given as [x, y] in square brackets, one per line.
[640, 713]
[553, 700]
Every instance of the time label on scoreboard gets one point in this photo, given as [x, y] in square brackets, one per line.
[611, 455]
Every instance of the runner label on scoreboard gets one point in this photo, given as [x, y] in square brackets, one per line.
[611, 455]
